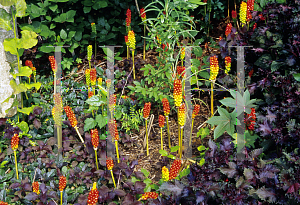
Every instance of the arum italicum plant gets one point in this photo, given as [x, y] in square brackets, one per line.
[195, 113]
[143, 16]
[166, 107]
[73, 121]
[149, 195]
[88, 77]
[161, 123]
[93, 76]
[61, 186]
[110, 166]
[113, 129]
[57, 113]
[54, 69]
[131, 39]
[146, 113]
[214, 70]
[128, 28]
[93, 195]
[14, 146]
[36, 187]
[177, 94]
[95, 143]
[174, 169]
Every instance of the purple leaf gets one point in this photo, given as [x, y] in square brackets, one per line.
[263, 194]
[128, 199]
[32, 196]
[36, 123]
[270, 116]
[120, 192]
[139, 175]
[264, 128]
[228, 172]
[43, 188]
[37, 110]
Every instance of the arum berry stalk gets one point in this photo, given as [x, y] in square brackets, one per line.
[166, 108]
[214, 70]
[116, 141]
[14, 145]
[110, 165]
[195, 113]
[95, 142]
[117, 151]
[133, 70]
[161, 122]
[16, 163]
[131, 39]
[147, 108]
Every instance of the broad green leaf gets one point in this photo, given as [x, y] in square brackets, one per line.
[28, 39]
[203, 132]
[59, 0]
[10, 45]
[297, 76]
[7, 2]
[24, 71]
[101, 120]
[46, 49]
[5, 20]
[197, 2]
[70, 16]
[95, 101]
[31, 85]
[145, 172]
[17, 88]
[53, 7]
[201, 148]
[163, 152]
[202, 161]
[63, 34]
[184, 173]
[174, 149]
[89, 123]
[26, 110]
[171, 156]
[20, 8]
[99, 4]
[23, 126]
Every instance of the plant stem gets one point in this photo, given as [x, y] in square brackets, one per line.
[161, 139]
[181, 142]
[178, 130]
[112, 176]
[147, 139]
[169, 139]
[191, 132]
[16, 163]
[59, 139]
[96, 46]
[212, 99]
[61, 197]
[54, 82]
[76, 128]
[96, 156]
[144, 50]
[133, 64]
[117, 150]
[127, 52]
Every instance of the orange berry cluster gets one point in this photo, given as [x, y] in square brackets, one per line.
[88, 77]
[113, 129]
[62, 183]
[233, 14]
[195, 111]
[182, 53]
[227, 64]
[180, 70]
[93, 76]
[90, 94]
[149, 195]
[252, 117]
[53, 63]
[228, 29]
[243, 12]
[112, 102]
[128, 18]
[131, 39]
[174, 169]
[250, 5]
[126, 40]
[35, 187]
[71, 116]
[166, 106]
[161, 121]
[254, 26]
[214, 68]
[177, 93]
[165, 174]
[249, 15]
[3, 203]
[147, 108]
[29, 63]
[164, 46]
[95, 138]
[15, 141]
[109, 164]
[99, 81]
[181, 115]
[89, 52]
[93, 195]
[143, 14]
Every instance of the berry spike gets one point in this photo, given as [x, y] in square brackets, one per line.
[177, 93]
[174, 169]
[35, 187]
[62, 183]
[93, 195]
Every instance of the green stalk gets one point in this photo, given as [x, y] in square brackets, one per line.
[133, 64]
[16, 163]
[181, 143]
[191, 132]
[169, 139]
[161, 139]
[144, 50]
[95, 47]
[117, 150]
[112, 176]
[61, 197]
[147, 139]
[178, 130]
[54, 82]
[59, 138]
[96, 158]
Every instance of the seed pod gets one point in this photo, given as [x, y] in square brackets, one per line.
[126, 40]
[180, 70]
[228, 29]
[131, 39]
[214, 68]
[93, 195]
[71, 116]
[29, 63]
[174, 169]
[149, 195]
[233, 14]
[62, 183]
[109, 164]
[227, 64]
[89, 52]
[99, 81]
[95, 138]
[250, 5]
[243, 12]
[93, 76]
[93, 25]
[182, 53]
[143, 14]
[88, 76]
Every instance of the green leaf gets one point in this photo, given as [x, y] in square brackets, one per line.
[70, 16]
[46, 49]
[95, 101]
[53, 7]
[89, 123]
[64, 170]
[297, 76]
[184, 173]
[71, 35]
[203, 132]
[101, 120]
[17, 88]
[197, 2]
[63, 34]
[163, 152]
[202, 161]
[5, 20]
[3, 163]
[171, 156]
[10, 45]
[20, 8]
[26, 110]
[23, 126]
[24, 71]
[201, 148]
[174, 149]
[7, 2]
[28, 39]
[36, 85]
[99, 4]
[87, 9]
[145, 172]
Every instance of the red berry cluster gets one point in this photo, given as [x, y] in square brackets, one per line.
[228, 29]
[166, 106]
[143, 14]
[112, 101]
[126, 40]
[128, 18]
[35, 187]
[254, 26]
[177, 93]
[161, 121]
[214, 67]
[95, 137]
[71, 116]
[29, 63]
[181, 115]
[250, 5]
[90, 94]
[180, 70]
[147, 108]
[3, 203]
[174, 169]
[93, 197]
[15, 141]
[62, 183]
[53, 63]
[164, 46]
[109, 164]
[250, 120]
[93, 76]
[149, 195]
[196, 111]
[233, 14]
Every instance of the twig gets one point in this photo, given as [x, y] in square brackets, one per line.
[34, 175]
[149, 128]
[54, 201]
[124, 87]
[202, 124]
